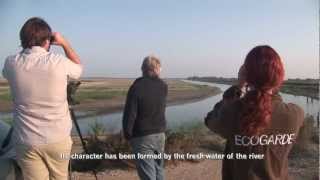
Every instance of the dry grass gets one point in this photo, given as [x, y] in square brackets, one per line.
[111, 144]
[304, 157]
[191, 138]
[308, 136]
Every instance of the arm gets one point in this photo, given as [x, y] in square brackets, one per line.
[130, 113]
[221, 118]
[70, 53]
[72, 62]
[4, 70]
[214, 121]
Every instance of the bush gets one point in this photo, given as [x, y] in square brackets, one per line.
[108, 144]
[186, 139]
[97, 129]
[308, 135]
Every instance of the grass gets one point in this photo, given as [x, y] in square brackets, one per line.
[308, 90]
[181, 85]
[102, 93]
[94, 92]
[7, 119]
[308, 136]
[99, 94]
[193, 137]
[97, 129]
[304, 156]
[5, 95]
[110, 144]
[299, 87]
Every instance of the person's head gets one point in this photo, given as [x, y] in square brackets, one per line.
[264, 73]
[35, 32]
[151, 67]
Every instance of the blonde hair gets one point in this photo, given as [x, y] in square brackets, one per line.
[150, 65]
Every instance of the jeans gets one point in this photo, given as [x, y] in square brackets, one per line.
[149, 169]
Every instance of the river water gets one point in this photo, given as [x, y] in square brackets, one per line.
[180, 115]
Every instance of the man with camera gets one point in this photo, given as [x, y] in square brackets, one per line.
[38, 83]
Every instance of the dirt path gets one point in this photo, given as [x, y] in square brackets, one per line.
[204, 170]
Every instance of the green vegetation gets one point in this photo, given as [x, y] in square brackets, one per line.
[82, 95]
[105, 92]
[218, 80]
[5, 95]
[99, 94]
[97, 129]
[7, 119]
[190, 127]
[181, 85]
[299, 87]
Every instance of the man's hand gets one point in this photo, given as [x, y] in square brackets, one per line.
[58, 39]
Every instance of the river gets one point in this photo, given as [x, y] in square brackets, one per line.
[180, 115]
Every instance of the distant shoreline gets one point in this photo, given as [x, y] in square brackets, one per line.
[298, 87]
[102, 96]
[119, 108]
[174, 98]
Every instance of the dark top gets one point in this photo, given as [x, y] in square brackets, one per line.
[144, 111]
[285, 119]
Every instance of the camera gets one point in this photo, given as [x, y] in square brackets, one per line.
[234, 92]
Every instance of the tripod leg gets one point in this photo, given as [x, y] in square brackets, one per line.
[70, 170]
[73, 117]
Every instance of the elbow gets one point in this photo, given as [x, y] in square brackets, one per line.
[214, 126]
[209, 124]
[78, 61]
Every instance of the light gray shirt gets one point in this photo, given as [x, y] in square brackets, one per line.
[38, 84]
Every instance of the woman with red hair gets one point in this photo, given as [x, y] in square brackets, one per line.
[259, 127]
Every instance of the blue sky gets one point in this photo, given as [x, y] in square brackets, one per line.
[204, 38]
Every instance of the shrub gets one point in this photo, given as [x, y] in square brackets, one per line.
[308, 135]
[97, 129]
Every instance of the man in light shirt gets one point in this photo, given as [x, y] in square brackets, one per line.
[38, 83]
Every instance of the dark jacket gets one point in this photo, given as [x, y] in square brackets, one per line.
[144, 111]
[285, 119]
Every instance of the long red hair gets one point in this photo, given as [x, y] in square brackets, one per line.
[263, 72]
